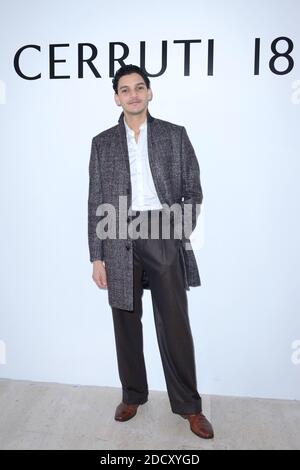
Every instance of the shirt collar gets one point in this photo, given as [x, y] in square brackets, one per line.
[131, 131]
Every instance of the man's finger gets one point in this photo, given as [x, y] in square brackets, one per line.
[103, 283]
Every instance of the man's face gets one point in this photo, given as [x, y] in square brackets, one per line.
[133, 94]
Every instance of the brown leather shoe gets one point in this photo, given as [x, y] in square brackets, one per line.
[124, 412]
[200, 425]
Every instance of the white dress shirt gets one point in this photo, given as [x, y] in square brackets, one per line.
[144, 195]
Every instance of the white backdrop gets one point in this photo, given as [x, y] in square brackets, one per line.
[55, 324]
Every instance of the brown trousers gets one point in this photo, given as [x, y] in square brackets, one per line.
[160, 258]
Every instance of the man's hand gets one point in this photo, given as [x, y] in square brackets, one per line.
[99, 273]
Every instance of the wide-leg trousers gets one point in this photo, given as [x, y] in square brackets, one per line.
[160, 258]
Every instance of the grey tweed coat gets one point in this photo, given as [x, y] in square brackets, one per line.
[176, 176]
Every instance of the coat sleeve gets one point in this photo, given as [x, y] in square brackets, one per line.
[94, 199]
[191, 184]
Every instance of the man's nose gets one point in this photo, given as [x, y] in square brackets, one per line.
[133, 94]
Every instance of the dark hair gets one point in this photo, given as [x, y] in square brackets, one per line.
[126, 70]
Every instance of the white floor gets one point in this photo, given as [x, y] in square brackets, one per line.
[54, 416]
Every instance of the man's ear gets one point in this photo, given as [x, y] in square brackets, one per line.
[117, 99]
[150, 94]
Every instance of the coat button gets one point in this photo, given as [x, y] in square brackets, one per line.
[128, 246]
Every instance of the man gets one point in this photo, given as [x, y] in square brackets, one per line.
[152, 165]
